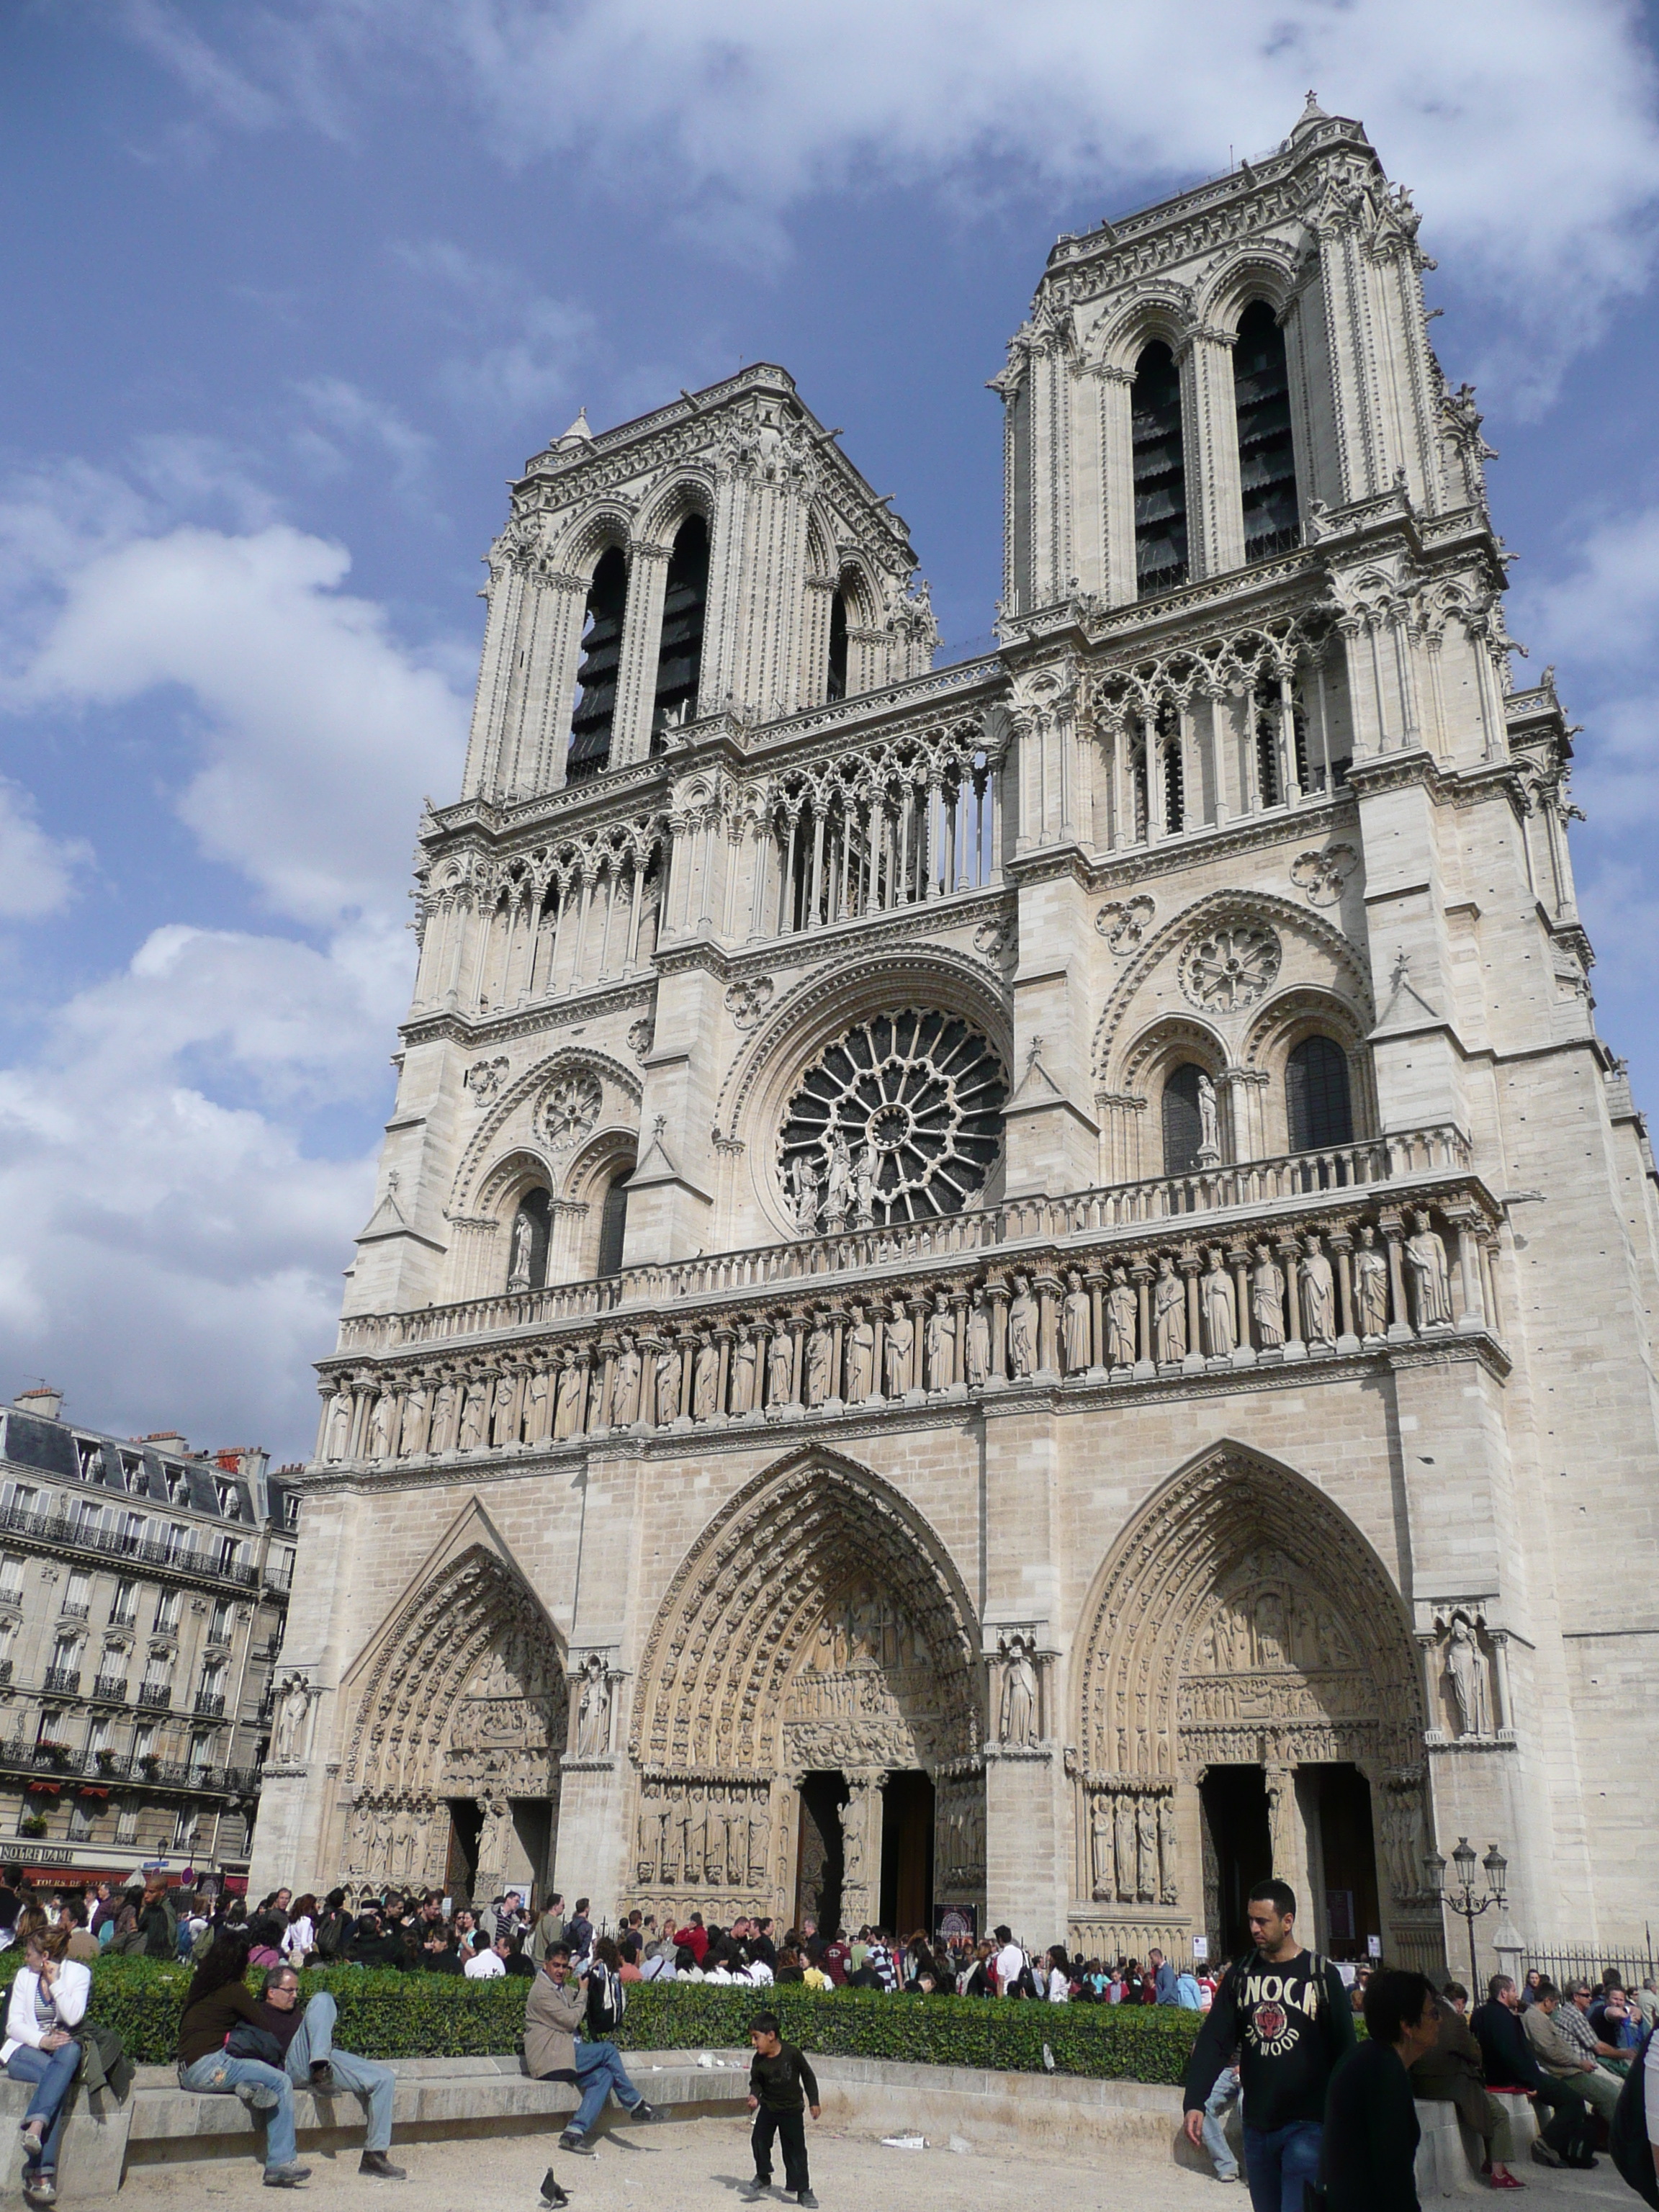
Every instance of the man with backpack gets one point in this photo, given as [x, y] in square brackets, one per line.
[554, 2013]
[1285, 2011]
[333, 1928]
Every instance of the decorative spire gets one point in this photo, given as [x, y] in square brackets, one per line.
[578, 433]
[1312, 113]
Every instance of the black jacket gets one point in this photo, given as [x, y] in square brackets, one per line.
[785, 2083]
[1369, 2150]
[386, 1949]
[1505, 2053]
[1290, 2024]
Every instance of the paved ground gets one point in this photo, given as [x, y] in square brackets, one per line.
[700, 2166]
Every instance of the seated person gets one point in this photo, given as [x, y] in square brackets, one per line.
[554, 2012]
[307, 2035]
[48, 2002]
[216, 2003]
[1452, 2072]
[438, 1953]
[1561, 2056]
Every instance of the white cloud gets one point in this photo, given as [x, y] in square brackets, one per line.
[1527, 127]
[353, 415]
[37, 870]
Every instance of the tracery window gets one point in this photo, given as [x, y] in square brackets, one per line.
[861, 836]
[1267, 459]
[679, 655]
[1160, 472]
[900, 1120]
[596, 677]
[1318, 1104]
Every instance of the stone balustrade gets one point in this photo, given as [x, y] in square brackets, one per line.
[1386, 1246]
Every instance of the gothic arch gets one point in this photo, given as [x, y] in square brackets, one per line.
[1159, 311]
[734, 1623]
[1344, 1683]
[1266, 270]
[477, 1161]
[687, 492]
[592, 533]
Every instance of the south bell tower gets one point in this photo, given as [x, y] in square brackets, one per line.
[1019, 1287]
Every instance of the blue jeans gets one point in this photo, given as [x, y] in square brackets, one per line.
[1215, 2121]
[375, 2085]
[270, 2092]
[1278, 2160]
[51, 2072]
[599, 2069]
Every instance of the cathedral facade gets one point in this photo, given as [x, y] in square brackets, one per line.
[1019, 1289]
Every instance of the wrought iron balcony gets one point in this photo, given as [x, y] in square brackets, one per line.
[74, 1609]
[149, 1771]
[62, 1681]
[62, 1533]
[211, 1702]
[159, 1694]
[111, 1688]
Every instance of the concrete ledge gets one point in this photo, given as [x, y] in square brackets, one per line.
[91, 2157]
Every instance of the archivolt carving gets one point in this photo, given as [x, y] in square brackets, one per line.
[813, 1550]
[569, 1060]
[1295, 924]
[1241, 1615]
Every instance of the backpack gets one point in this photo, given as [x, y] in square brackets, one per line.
[1627, 2131]
[607, 2001]
[331, 1933]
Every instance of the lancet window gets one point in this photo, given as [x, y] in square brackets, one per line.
[679, 655]
[596, 677]
[1160, 473]
[567, 919]
[613, 1223]
[1267, 459]
[837, 685]
[1183, 1123]
[1317, 1100]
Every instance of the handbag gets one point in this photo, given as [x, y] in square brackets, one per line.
[248, 2041]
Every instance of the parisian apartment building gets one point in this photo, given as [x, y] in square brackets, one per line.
[144, 1592]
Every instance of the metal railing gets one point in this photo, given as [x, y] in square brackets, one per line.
[158, 1694]
[1567, 1963]
[111, 1688]
[62, 1681]
[209, 1702]
[75, 1608]
[21, 1755]
[64, 1532]
[1248, 1184]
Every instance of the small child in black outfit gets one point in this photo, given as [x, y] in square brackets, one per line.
[780, 2083]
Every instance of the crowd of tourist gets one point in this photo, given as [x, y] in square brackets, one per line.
[1325, 2117]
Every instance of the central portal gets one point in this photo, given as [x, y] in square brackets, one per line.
[820, 1867]
[907, 1856]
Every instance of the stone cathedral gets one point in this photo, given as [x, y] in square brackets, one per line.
[1019, 1288]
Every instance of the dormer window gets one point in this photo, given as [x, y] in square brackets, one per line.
[596, 677]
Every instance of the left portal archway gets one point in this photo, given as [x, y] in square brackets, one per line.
[818, 1628]
[460, 1701]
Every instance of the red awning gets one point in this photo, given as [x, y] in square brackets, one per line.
[87, 1791]
[47, 1789]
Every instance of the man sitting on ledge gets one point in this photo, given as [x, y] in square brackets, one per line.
[554, 2011]
[312, 2062]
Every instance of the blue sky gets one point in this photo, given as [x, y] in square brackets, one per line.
[291, 290]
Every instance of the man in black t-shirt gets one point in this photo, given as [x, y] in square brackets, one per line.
[1286, 2012]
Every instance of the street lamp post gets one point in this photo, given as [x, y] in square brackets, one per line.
[1462, 1900]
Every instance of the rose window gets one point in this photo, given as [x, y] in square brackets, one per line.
[899, 1120]
[570, 1107]
[1229, 968]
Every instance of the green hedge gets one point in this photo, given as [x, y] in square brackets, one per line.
[394, 2016]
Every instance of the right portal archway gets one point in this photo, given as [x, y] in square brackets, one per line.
[1248, 1704]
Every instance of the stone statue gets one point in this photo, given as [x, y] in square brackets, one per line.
[820, 1347]
[1168, 1889]
[941, 1344]
[593, 1713]
[852, 1844]
[838, 1183]
[625, 1389]
[572, 1400]
[1209, 1124]
[1371, 1285]
[411, 1440]
[1318, 1295]
[979, 1342]
[338, 1434]
[537, 1391]
[1022, 1330]
[780, 1367]
[1101, 1842]
[1124, 1822]
[1145, 1850]
[1076, 1328]
[523, 1245]
[864, 1183]
[500, 1412]
[379, 1426]
[1168, 1314]
[443, 1415]
[1019, 1695]
[292, 1707]
[666, 1400]
[1267, 1299]
[1466, 1676]
[1219, 1307]
[1121, 1304]
[705, 1379]
[860, 1358]
[804, 1194]
[1430, 1279]
[899, 1344]
[744, 1360]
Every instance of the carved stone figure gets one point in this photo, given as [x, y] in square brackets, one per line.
[1318, 1295]
[860, 1358]
[1371, 1285]
[291, 1706]
[337, 1435]
[1267, 1299]
[852, 1816]
[379, 1426]
[979, 1342]
[838, 1183]
[743, 1371]
[500, 1412]
[1020, 1688]
[1168, 1890]
[1430, 1279]
[1402, 1843]
[1219, 1307]
[1100, 1834]
[941, 1345]
[1209, 1124]
[475, 1411]
[705, 1379]
[804, 1194]
[443, 1415]
[412, 1438]
[523, 1245]
[1466, 1678]
[1120, 1320]
[780, 1367]
[1076, 1326]
[1022, 1330]
[666, 1399]
[864, 1186]
[537, 1393]
[572, 1400]
[593, 1713]
[898, 1347]
[1124, 1824]
[1168, 1314]
[820, 1348]
[1145, 1850]
[625, 1386]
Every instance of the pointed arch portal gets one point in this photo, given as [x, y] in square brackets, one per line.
[1249, 1702]
[808, 1725]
